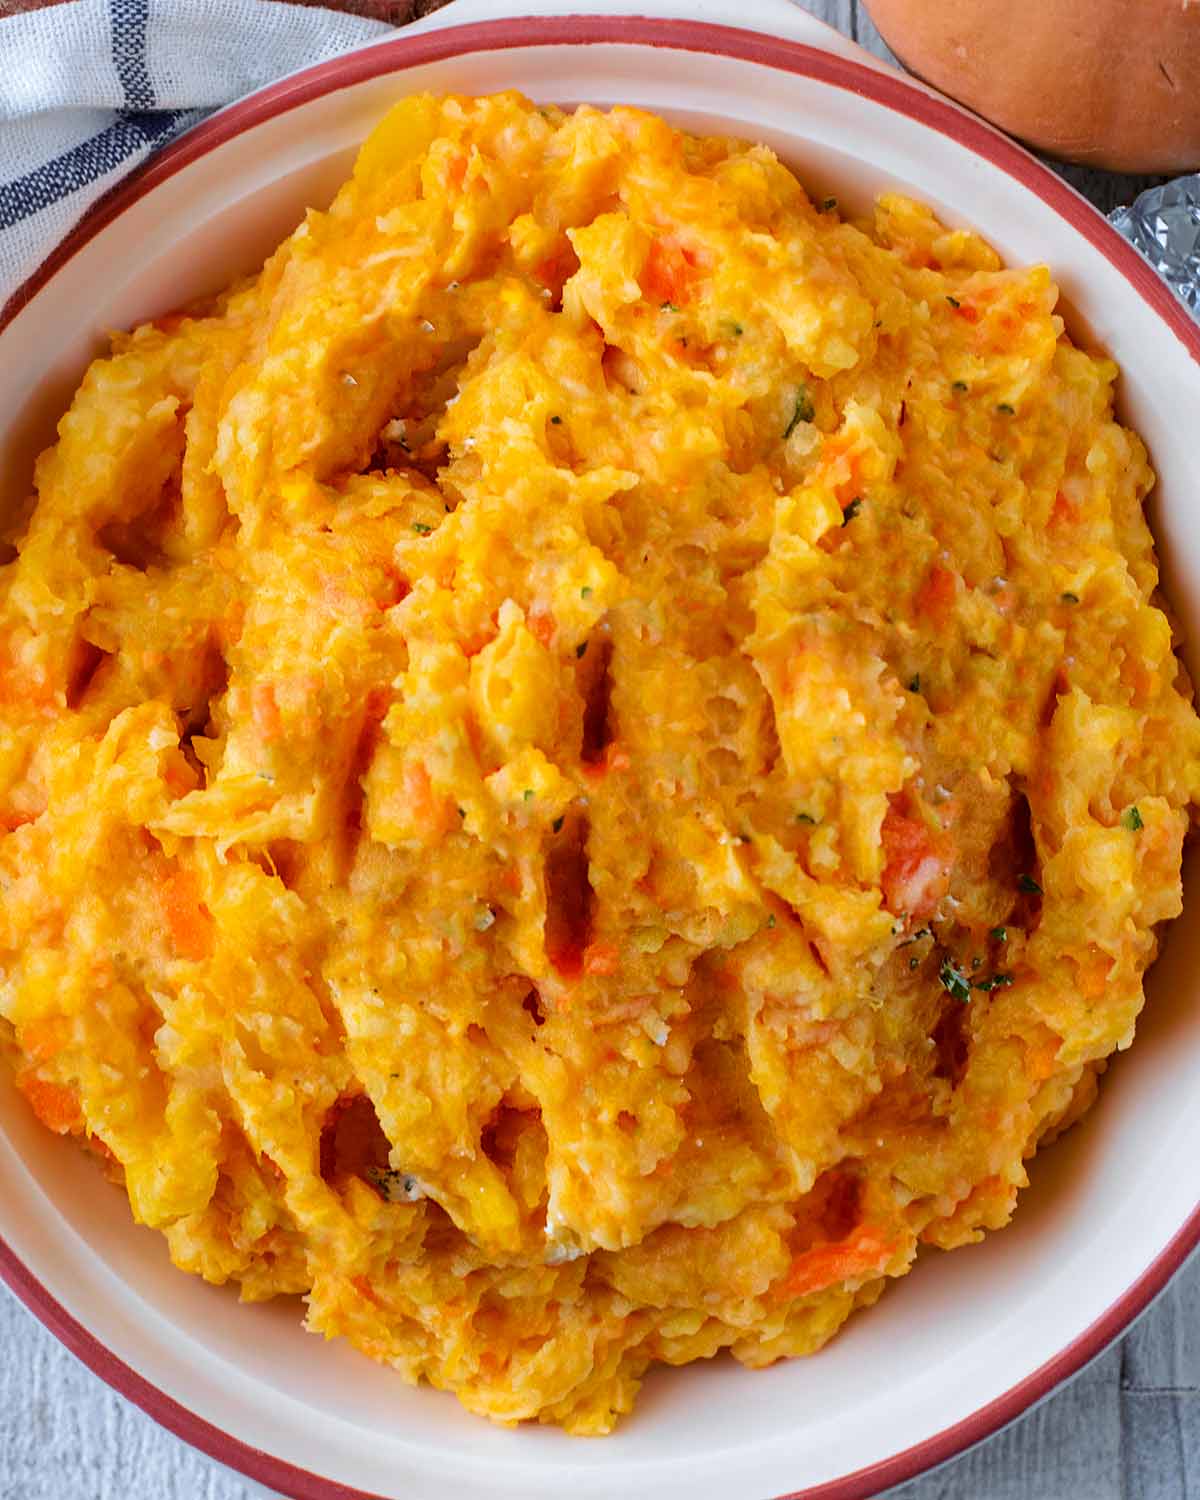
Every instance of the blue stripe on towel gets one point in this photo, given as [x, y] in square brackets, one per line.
[128, 134]
[129, 19]
[83, 164]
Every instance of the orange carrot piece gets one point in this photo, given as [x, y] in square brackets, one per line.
[265, 711]
[936, 594]
[55, 1104]
[40, 1040]
[188, 919]
[916, 872]
[864, 1253]
[601, 958]
[431, 812]
[542, 625]
[670, 271]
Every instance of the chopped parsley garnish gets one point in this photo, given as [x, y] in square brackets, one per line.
[421, 529]
[806, 818]
[1070, 598]
[954, 981]
[999, 934]
[528, 794]
[556, 421]
[914, 963]
[914, 683]
[581, 649]
[959, 986]
[585, 592]
[735, 328]
[828, 203]
[852, 510]
[804, 411]
[960, 385]
[556, 826]
[1131, 818]
[996, 982]
[1029, 885]
[1009, 411]
[953, 301]
[771, 920]
[669, 307]
[462, 812]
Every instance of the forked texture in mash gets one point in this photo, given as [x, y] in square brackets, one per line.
[587, 761]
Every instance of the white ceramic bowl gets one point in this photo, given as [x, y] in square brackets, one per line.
[968, 1340]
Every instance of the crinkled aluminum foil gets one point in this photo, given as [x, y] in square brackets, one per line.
[1164, 224]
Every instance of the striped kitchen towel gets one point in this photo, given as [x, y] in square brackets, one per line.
[89, 88]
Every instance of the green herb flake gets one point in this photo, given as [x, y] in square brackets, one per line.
[914, 683]
[462, 812]
[735, 328]
[668, 307]
[556, 826]
[999, 934]
[953, 301]
[528, 794]
[1131, 818]
[1029, 885]
[1009, 411]
[960, 386]
[914, 963]
[954, 981]
[556, 421]
[581, 649]
[1070, 598]
[804, 411]
[585, 592]
[827, 204]
[421, 529]
[771, 920]
[806, 818]
[996, 982]
[852, 510]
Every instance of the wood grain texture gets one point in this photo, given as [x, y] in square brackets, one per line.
[1128, 1427]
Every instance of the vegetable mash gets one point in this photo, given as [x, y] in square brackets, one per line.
[589, 760]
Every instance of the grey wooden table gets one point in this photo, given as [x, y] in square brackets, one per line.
[1127, 1428]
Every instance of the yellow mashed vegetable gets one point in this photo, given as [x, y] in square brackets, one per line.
[588, 761]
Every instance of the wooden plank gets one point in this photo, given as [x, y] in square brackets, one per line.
[1162, 1351]
[1162, 1444]
[866, 34]
[66, 1436]
[839, 13]
[1068, 1448]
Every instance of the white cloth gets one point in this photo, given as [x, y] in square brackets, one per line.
[89, 88]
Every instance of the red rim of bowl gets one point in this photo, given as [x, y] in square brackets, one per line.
[893, 92]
